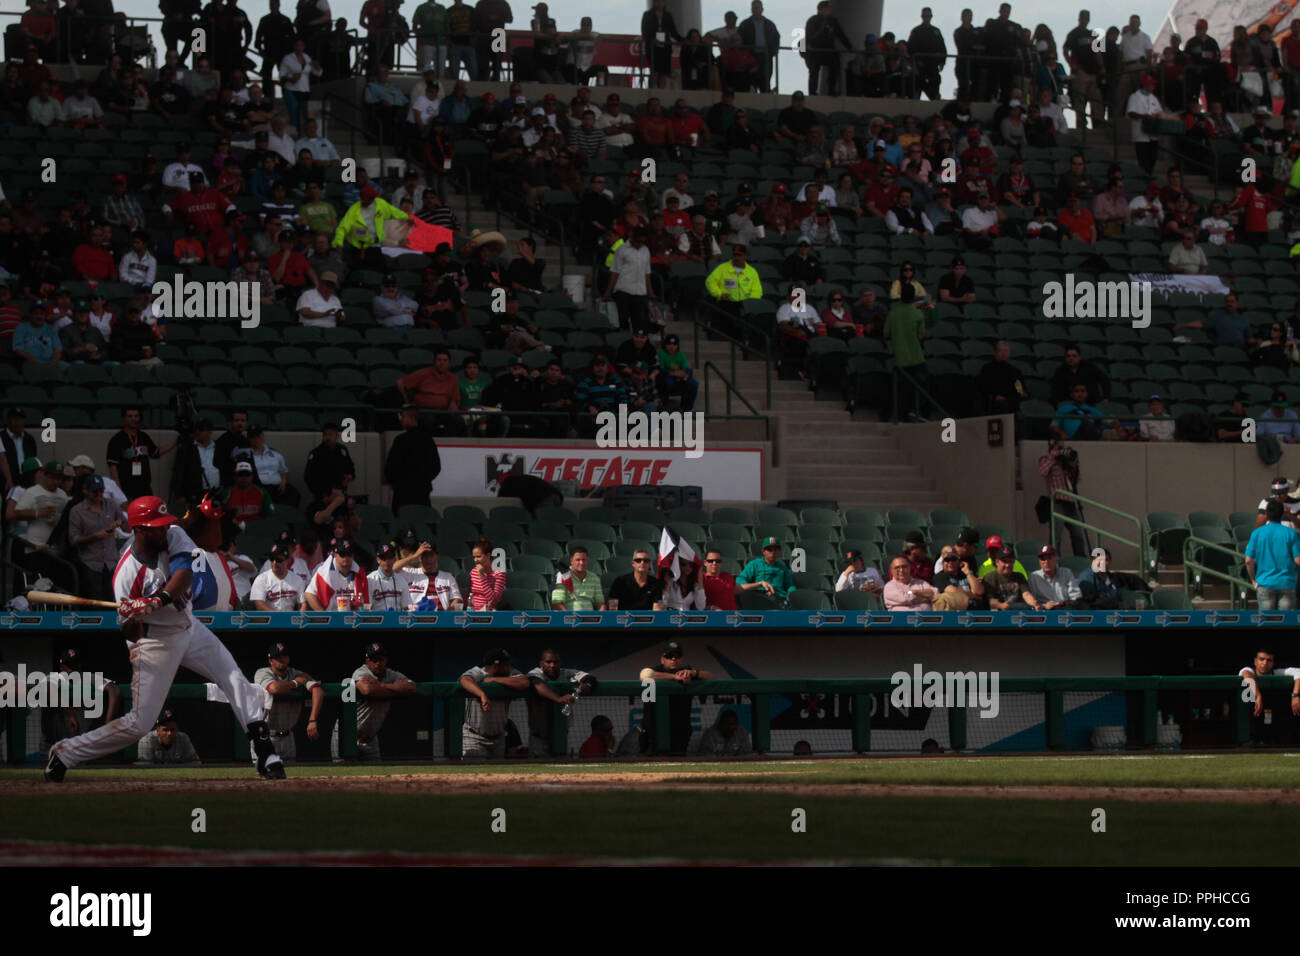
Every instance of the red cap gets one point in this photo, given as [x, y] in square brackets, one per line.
[1202, 24]
[369, 192]
[779, 187]
[490, 96]
[119, 177]
[992, 543]
[148, 512]
[210, 507]
[1148, 79]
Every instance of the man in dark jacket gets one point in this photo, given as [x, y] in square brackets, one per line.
[820, 33]
[413, 462]
[329, 466]
[513, 390]
[17, 445]
[1000, 383]
[760, 37]
[928, 49]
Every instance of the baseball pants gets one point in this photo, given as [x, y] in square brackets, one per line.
[476, 745]
[154, 662]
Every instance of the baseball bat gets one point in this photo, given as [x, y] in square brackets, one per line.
[67, 600]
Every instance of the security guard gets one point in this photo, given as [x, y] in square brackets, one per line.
[731, 283]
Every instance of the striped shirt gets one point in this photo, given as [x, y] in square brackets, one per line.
[590, 141]
[1054, 475]
[486, 589]
[584, 595]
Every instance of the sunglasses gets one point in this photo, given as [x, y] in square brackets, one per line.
[640, 560]
[712, 560]
[672, 657]
[837, 298]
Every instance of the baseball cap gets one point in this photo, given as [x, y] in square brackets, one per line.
[409, 537]
[93, 483]
[745, 188]
[119, 177]
[497, 655]
[1046, 551]
[770, 542]
[375, 649]
[81, 305]
[673, 649]
[279, 552]
[54, 467]
[82, 461]
[277, 649]
[369, 192]
[243, 467]
[779, 188]
[390, 279]
[1279, 399]
[1155, 398]
[69, 657]
[513, 361]
[1147, 78]
[31, 464]
[993, 543]
[341, 546]
[387, 551]
[805, 241]
[255, 430]
[968, 536]
[797, 95]
[853, 554]
[671, 340]
[1006, 554]
[168, 716]
[1280, 486]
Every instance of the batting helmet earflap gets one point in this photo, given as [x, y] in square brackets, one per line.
[148, 512]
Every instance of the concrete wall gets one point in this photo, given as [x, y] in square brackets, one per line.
[974, 477]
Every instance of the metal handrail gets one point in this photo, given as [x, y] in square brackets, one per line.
[765, 353]
[328, 97]
[1140, 543]
[730, 390]
[1191, 564]
[528, 218]
[896, 372]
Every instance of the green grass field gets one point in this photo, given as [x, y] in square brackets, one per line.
[682, 818]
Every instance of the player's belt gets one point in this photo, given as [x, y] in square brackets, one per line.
[281, 733]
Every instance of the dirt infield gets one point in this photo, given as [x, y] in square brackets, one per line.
[575, 782]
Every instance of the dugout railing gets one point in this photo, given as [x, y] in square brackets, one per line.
[444, 704]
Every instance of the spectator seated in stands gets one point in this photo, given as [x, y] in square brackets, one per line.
[903, 592]
[768, 574]
[1227, 327]
[1081, 429]
[856, 576]
[1187, 257]
[1053, 585]
[1162, 427]
[1076, 221]
[1007, 587]
[959, 587]
[1278, 421]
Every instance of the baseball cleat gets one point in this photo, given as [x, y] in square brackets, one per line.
[274, 768]
[55, 769]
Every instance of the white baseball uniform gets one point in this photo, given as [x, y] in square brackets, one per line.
[328, 583]
[433, 594]
[389, 592]
[168, 639]
[283, 594]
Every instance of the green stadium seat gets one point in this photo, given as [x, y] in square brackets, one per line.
[802, 599]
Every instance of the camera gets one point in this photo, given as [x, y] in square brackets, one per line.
[186, 413]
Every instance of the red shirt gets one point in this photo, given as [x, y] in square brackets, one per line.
[486, 590]
[676, 220]
[187, 249]
[249, 504]
[224, 250]
[295, 273]
[923, 568]
[431, 389]
[10, 318]
[91, 262]
[720, 591]
[1291, 52]
[1080, 224]
[593, 746]
[206, 209]
[684, 126]
[883, 199]
[1256, 205]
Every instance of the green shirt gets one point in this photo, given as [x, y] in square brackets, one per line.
[903, 327]
[430, 22]
[675, 361]
[320, 215]
[471, 392]
[778, 575]
[587, 594]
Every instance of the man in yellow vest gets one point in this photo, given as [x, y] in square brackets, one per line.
[362, 228]
[730, 284]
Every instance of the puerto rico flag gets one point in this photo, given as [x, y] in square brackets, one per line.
[214, 585]
[674, 551]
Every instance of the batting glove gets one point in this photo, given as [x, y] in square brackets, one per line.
[135, 608]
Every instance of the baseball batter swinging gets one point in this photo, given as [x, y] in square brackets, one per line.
[152, 585]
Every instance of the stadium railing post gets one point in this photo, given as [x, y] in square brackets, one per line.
[1241, 715]
[663, 728]
[957, 727]
[1150, 716]
[1054, 717]
[762, 717]
[455, 741]
[861, 723]
[559, 730]
[347, 728]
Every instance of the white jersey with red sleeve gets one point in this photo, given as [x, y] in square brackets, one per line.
[433, 594]
[327, 584]
[135, 579]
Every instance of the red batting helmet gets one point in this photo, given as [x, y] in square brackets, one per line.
[148, 512]
[211, 507]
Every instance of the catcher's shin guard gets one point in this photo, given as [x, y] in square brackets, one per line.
[269, 763]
